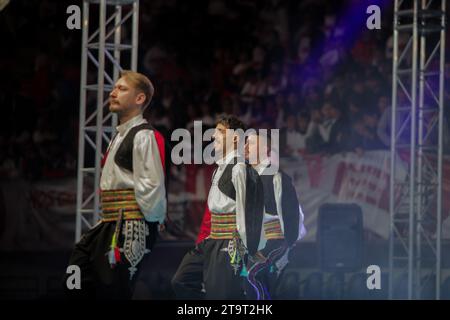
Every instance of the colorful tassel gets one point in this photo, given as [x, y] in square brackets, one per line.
[244, 272]
[117, 254]
[114, 253]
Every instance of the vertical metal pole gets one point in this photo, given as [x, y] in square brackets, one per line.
[393, 153]
[421, 196]
[117, 41]
[412, 171]
[81, 128]
[440, 152]
[100, 96]
[135, 36]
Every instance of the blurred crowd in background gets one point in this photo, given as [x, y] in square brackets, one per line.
[309, 68]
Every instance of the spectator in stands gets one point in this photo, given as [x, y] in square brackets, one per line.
[290, 138]
[255, 112]
[384, 122]
[364, 133]
[315, 141]
[332, 132]
[207, 118]
[304, 129]
[254, 87]
[280, 105]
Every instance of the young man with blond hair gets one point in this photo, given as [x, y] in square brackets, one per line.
[133, 197]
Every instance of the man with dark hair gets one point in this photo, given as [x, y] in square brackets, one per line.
[235, 205]
[133, 198]
[283, 217]
[364, 133]
[334, 129]
[329, 132]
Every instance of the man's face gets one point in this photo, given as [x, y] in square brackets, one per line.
[124, 98]
[253, 147]
[223, 140]
[303, 124]
[290, 122]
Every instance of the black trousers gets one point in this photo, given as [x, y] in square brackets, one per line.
[208, 266]
[98, 279]
[263, 276]
[187, 283]
[221, 281]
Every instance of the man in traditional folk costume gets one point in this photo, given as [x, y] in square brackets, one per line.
[133, 197]
[217, 267]
[283, 218]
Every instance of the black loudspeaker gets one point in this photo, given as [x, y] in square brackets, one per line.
[340, 237]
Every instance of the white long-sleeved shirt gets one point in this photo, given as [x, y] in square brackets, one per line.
[218, 202]
[325, 129]
[277, 187]
[147, 178]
